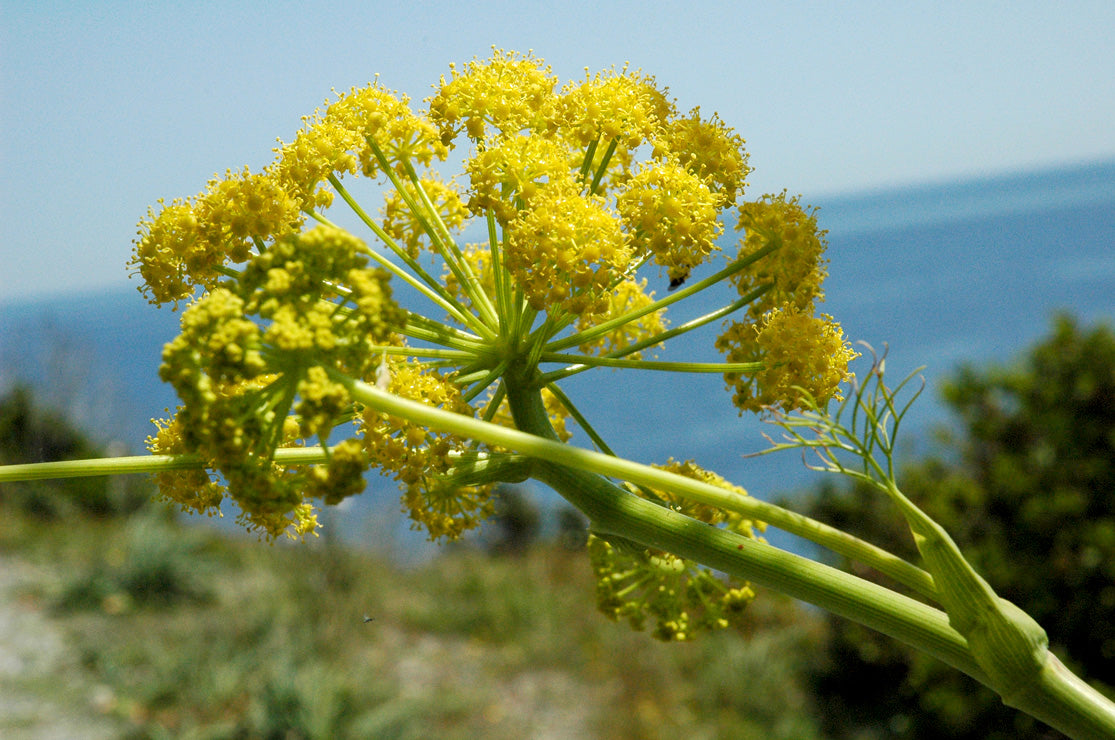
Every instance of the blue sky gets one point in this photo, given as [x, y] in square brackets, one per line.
[107, 106]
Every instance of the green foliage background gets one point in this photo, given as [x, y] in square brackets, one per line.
[1027, 489]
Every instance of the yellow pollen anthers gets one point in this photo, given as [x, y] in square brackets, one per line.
[508, 93]
[796, 269]
[567, 252]
[508, 177]
[183, 245]
[420, 459]
[798, 351]
[672, 213]
[321, 148]
[378, 116]
[625, 107]
[710, 150]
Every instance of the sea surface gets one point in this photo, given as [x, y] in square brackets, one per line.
[940, 275]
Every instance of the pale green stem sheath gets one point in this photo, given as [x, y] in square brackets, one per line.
[1010, 647]
[1054, 695]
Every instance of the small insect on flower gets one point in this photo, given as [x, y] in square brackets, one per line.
[676, 281]
[383, 374]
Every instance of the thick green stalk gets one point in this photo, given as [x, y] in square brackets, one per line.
[1060, 699]
[572, 472]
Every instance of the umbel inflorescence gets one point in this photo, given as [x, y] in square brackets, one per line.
[574, 197]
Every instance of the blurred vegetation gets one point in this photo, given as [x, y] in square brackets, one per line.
[29, 433]
[1027, 489]
[183, 632]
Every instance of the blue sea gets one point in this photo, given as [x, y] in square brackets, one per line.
[943, 274]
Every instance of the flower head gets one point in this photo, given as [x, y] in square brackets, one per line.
[800, 353]
[185, 244]
[508, 93]
[567, 252]
[625, 107]
[709, 149]
[796, 269]
[672, 214]
[386, 133]
[567, 193]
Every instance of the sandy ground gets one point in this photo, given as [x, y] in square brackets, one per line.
[43, 693]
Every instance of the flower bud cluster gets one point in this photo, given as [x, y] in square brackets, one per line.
[250, 369]
[637, 584]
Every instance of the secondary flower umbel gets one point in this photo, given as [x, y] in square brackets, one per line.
[574, 198]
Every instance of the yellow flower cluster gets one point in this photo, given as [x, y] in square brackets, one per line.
[684, 599]
[674, 215]
[796, 269]
[508, 93]
[710, 150]
[577, 187]
[420, 458]
[188, 241]
[551, 162]
[567, 252]
[801, 353]
[624, 107]
[637, 584]
[702, 512]
[239, 377]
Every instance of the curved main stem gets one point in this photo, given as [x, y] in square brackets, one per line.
[577, 474]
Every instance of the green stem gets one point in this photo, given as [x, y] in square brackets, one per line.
[427, 286]
[594, 462]
[607, 326]
[676, 367]
[138, 464]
